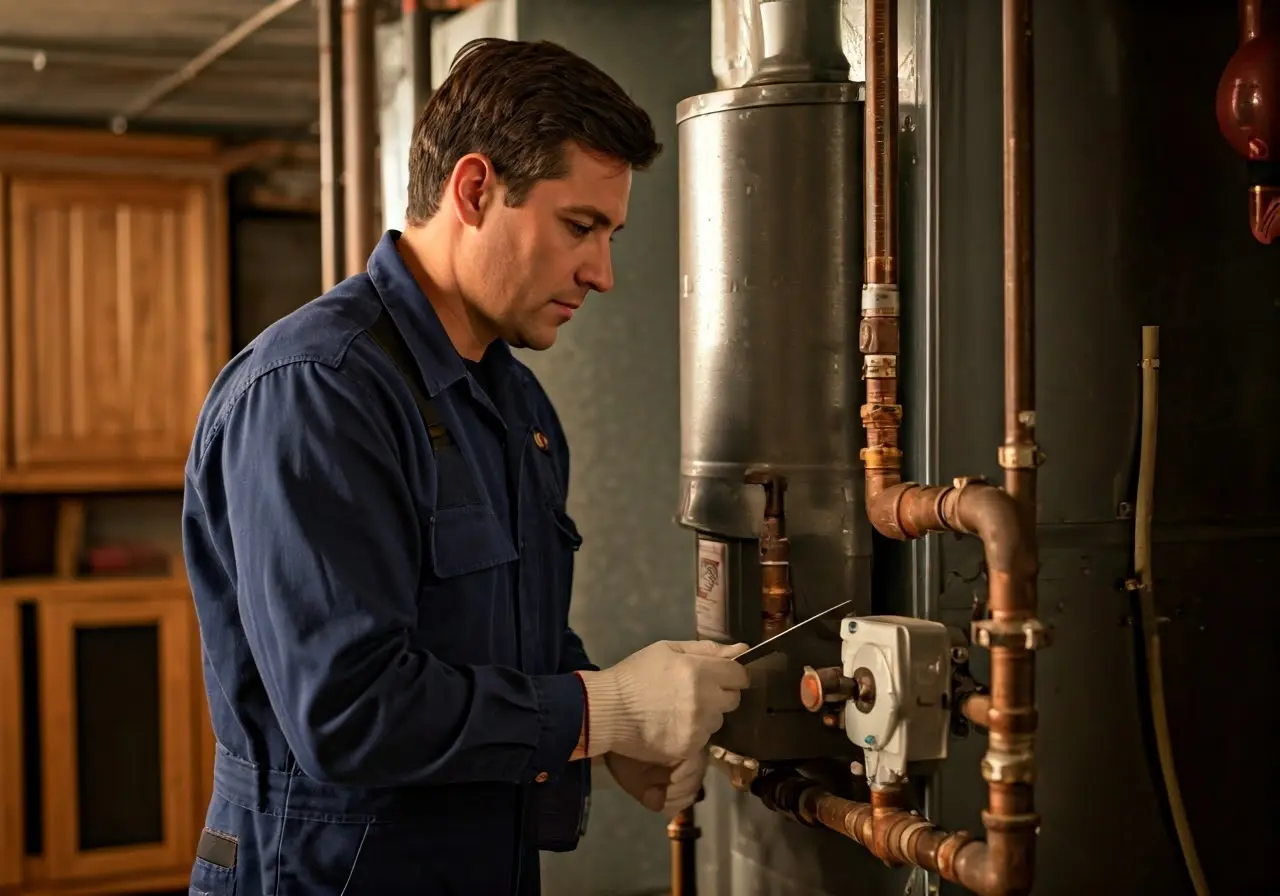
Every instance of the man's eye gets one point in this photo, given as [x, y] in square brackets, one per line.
[578, 230]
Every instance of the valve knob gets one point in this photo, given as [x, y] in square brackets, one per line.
[819, 687]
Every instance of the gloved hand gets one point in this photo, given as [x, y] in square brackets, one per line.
[645, 782]
[657, 787]
[663, 703]
[686, 781]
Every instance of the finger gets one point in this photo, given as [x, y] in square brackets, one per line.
[727, 674]
[689, 770]
[679, 800]
[654, 798]
[706, 726]
[722, 701]
[707, 648]
[649, 753]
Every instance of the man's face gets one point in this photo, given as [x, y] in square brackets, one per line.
[525, 270]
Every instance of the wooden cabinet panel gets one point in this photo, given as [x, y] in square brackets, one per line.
[11, 763]
[116, 679]
[114, 326]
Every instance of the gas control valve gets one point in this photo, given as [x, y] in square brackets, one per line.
[899, 672]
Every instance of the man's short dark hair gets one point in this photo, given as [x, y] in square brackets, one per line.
[519, 103]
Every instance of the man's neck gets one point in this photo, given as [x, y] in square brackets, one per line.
[427, 257]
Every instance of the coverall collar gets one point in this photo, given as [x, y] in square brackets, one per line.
[437, 359]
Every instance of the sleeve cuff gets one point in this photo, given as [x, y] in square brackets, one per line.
[561, 704]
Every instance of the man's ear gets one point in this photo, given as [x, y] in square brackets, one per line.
[472, 187]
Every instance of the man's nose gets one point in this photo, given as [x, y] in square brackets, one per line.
[598, 274]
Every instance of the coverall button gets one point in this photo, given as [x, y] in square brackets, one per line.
[542, 777]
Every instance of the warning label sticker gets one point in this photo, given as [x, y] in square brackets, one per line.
[713, 585]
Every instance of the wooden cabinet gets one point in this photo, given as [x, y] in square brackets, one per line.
[105, 784]
[115, 312]
[113, 323]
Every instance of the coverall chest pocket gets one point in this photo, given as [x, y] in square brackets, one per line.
[556, 538]
[467, 539]
[466, 606]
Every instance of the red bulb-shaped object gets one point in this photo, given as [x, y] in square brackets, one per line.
[1249, 99]
[1248, 106]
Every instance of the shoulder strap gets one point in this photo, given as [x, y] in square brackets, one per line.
[385, 333]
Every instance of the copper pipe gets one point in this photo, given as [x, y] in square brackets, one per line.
[890, 832]
[1004, 519]
[977, 709]
[359, 129]
[878, 333]
[1018, 454]
[888, 803]
[683, 834]
[331, 131]
[1264, 213]
[882, 141]
[775, 555]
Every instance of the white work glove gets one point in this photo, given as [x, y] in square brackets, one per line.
[657, 787]
[663, 703]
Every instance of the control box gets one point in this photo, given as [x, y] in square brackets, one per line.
[900, 670]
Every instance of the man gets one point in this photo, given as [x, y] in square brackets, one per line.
[376, 535]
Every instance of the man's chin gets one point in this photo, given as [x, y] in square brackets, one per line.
[536, 342]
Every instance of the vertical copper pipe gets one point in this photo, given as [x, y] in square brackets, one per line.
[1018, 455]
[879, 331]
[775, 555]
[331, 131]
[359, 97]
[1003, 518]
[882, 141]
[684, 833]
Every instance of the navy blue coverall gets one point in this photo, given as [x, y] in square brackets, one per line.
[384, 612]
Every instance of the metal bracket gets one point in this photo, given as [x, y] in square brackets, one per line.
[1029, 634]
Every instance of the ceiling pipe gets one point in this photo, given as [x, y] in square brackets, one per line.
[219, 48]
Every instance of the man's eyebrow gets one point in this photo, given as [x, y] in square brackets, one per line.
[599, 218]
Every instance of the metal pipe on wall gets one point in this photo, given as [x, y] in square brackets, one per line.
[683, 832]
[879, 334]
[1004, 519]
[359, 129]
[331, 137]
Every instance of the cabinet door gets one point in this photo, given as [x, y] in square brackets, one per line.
[112, 334]
[116, 681]
[11, 783]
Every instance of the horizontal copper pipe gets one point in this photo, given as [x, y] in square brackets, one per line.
[899, 837]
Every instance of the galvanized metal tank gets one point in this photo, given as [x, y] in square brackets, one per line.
[770, 274]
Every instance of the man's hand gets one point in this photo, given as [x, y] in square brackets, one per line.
[686, 781]
[646, 782]
[663, 703]
[657, 787]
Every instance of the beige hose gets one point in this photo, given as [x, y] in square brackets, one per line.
[1147, 605]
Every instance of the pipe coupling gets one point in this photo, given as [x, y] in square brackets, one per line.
[1014, 634]
[1010, 759]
